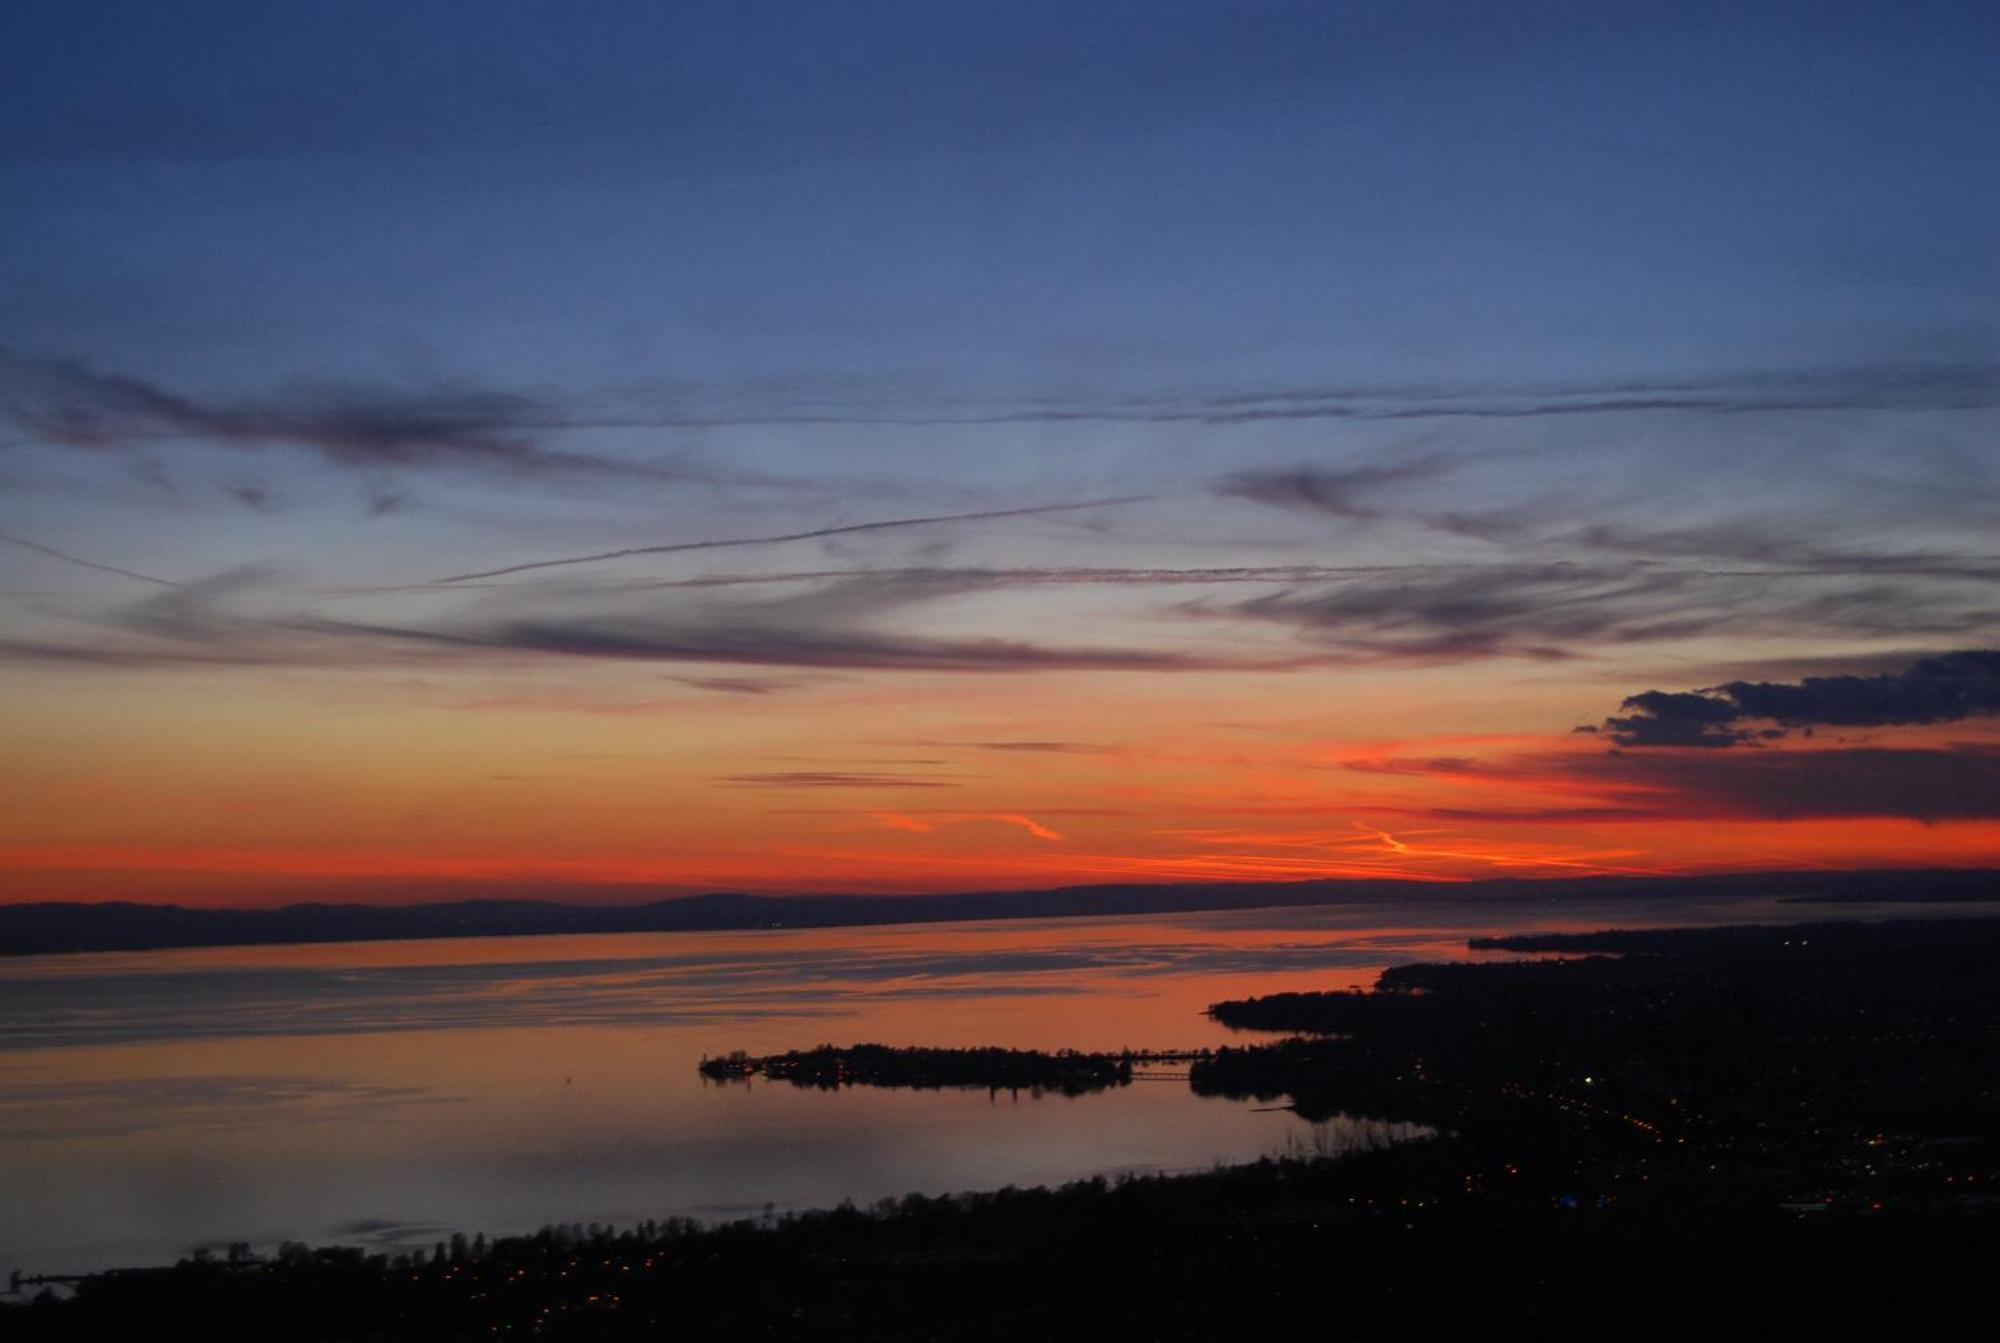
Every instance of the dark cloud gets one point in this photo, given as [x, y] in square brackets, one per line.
[1944, 689]
[831, 779]
[811, 534]
[384, 500]
[1950, 784]
[1446, 764]
[737, 685]
[1043, 747]
[1941, 689]
[1339, 491]
[1665, 718]
[862, 623]
[1582, 815]
[670, 638]
[67, 402]
[256, 498]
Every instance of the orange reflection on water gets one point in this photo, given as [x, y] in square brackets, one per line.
[388, 1092]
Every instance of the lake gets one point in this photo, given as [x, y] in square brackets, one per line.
[386, 1094]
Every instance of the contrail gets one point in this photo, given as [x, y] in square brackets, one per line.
[55, 554]
[817, 532]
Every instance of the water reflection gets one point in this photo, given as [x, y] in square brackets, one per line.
[380, 1092]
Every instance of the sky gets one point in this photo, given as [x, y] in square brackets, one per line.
[606, 450]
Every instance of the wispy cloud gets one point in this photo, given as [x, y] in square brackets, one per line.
[1918, 386]
[870, 621]
[1746, 542]
[244, 617]
[52, 553]
[781, 538]
[983, 578]
[672, 638]
[67, 402]
[61, 400]
[1554, 611]
[832, 779]
[739, 685]
[897, 820]
[1041, 747]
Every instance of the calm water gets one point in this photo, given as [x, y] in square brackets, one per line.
[389, 1093]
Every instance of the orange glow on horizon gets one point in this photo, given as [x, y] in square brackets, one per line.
[259, 798]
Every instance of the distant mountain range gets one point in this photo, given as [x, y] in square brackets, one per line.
[34, 929]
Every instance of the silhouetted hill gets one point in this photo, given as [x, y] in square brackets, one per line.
[33, 929]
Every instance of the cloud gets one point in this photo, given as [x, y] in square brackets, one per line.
[831, 779]
[1944, 689]
[1938, 386]
[1027, 823]
[812, 534]
[844, 625]
[1751, 540]
[1027, 747]
[1339, 491]
[1941, 386]
[67, 558]
[897, 820]
[969, 578]
[256, 498]
[234, 618]
[1959, 386]
[1043, 747]
[1457, 613]
[1946, 784]
[669, 638]
[201, 612]
[1941, 689]
[64, 401]
[1555, 610]
[445, 426]
[1447, 764]
[1664, 718]
[738, 685]
[1919, 783]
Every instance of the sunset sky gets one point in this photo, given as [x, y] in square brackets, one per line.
[611, 451]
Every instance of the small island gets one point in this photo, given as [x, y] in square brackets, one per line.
[1068, 1072]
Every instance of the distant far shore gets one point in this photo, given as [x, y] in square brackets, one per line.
[51, 928]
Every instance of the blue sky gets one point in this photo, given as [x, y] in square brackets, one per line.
[1012, 197]
[1606, 346]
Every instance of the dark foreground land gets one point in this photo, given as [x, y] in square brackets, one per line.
[1733, 1133]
